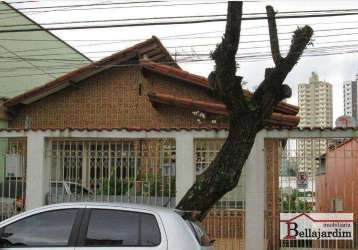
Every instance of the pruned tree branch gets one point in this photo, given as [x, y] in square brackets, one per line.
[301, 38]
[272, 90]
[275, 45]
[224, 80]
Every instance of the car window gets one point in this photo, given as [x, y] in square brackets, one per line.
[150, 233]
[51, 228]
[122, 228]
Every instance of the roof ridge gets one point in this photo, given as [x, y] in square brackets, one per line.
[88, 69]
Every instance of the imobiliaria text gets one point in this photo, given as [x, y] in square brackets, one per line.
[317, 226]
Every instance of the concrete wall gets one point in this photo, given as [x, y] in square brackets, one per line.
[37, 178]
[17, 76]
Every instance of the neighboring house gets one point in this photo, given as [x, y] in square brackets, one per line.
[29, 59]
[337, 185]
[337, 179]
[139, 91]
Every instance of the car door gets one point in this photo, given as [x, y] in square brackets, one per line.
[53, 229]
[122, 229]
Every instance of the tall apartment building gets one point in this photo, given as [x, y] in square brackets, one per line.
[315, 102]
[350, 93]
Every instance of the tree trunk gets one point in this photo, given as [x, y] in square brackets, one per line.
[246, 115]
[225, 171]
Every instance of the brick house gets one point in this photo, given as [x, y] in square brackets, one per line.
[336, 178]
[139, 89]
[336, 184]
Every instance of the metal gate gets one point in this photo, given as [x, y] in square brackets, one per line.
[311, 175]
[226, 221]
[135, 171]
[12, 176]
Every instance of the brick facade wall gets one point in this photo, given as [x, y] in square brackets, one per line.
[111, 99]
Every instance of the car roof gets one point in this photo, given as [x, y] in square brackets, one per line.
[161, 211]
[113, 205]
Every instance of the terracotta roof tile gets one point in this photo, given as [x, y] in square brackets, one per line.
[203, 82]
[206, 128]
[218, 108]
[175, 72]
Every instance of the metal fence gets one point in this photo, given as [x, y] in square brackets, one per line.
[313, 175]
[136, 171]
[226, 222]
[12, 176]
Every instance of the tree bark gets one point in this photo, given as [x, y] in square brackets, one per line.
[246, 116]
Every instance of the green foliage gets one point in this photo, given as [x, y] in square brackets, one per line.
[158, 185]
[115, 186]
[144, 185]
[293, 203]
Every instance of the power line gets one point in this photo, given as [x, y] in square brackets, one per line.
[329, 50]
[81, 5]
[171, 23]
[160, 18]
[23, 59]
[256, 59]
[113, 6]
[121, 7]
[171, 36]
[113, 20]
[29, 1]
[191, 45]
[174, 47]
[155, 18]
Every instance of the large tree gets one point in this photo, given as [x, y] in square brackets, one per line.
[246, 114]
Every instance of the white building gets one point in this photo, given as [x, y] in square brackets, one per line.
[315, 102]
[350, 93]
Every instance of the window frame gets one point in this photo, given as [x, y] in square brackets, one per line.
[82, 232]
[74, 230]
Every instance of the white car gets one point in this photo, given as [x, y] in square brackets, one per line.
[85, 226]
